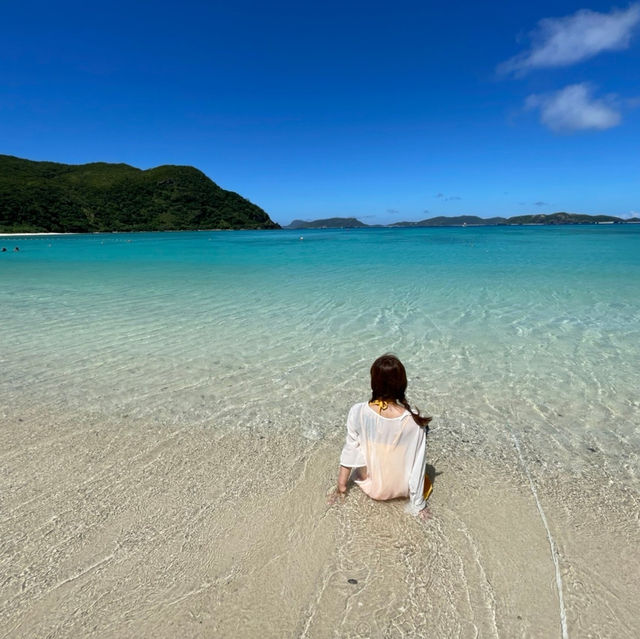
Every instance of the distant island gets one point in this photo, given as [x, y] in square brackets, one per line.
[328, 223]
[101, 197]
[471, 220]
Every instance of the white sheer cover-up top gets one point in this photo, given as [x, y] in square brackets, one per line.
[392, 449]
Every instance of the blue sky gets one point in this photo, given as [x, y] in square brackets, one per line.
[385, 111]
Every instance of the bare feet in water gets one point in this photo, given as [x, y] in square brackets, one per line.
[425, 514]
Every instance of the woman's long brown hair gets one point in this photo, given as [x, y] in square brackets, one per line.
[389, 383]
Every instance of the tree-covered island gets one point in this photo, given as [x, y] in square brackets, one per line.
[537, 219]
[100, 197]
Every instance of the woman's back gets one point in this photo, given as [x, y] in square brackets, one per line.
[389, 447]
[386, 441]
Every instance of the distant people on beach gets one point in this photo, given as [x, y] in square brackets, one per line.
[385, 449]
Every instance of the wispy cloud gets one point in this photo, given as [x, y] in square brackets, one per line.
[393, 211]
[558, 42]
[540, 203]
[574, 108]
[447, 198]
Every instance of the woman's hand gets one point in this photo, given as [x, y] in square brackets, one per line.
[336, 496]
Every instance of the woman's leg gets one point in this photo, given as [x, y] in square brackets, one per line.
[360, 473]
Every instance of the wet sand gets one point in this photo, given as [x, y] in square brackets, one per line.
[125, 528]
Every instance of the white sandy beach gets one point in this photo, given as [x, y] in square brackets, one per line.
[124, 529]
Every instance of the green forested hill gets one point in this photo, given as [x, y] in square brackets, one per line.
[471, 220]
[539, 218]
[327, 223]
[563, 218]
[47, 196]
[458, 220]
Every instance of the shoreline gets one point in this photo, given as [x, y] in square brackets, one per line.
[35, 234]
[116, 528]
[87, 233]
[324, 228]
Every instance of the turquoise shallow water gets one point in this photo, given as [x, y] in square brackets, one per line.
[527, 330]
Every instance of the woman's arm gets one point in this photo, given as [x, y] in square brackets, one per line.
[417, 502]
[343, 477]
[351, 457]
[340, 491]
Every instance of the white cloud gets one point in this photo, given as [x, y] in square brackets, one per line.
[558, 42]
[573, 109]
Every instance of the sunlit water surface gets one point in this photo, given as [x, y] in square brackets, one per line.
[525, 331]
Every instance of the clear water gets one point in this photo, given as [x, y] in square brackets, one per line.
[527, 330]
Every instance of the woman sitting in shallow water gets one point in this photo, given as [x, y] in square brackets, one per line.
[386, 442]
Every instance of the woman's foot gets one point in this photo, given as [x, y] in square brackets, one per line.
[425, 514]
